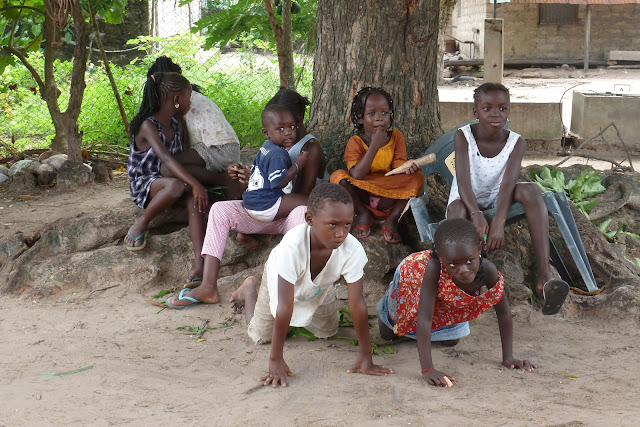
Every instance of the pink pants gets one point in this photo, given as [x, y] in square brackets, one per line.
[230, 215]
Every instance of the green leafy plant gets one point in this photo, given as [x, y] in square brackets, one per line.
[295, 331]
[587, 185]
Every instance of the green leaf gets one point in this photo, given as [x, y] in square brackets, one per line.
[295, 331]
[604, 224]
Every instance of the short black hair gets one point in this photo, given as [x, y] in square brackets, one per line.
[360, 101]
[458, 230]
[327, 192]
[291, 99]
[272, 109]
[488, 87]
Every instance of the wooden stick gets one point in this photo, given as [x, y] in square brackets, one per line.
[424, 160]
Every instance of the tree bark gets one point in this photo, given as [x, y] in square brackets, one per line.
[393, 45]
[288, 44]
[279, 37]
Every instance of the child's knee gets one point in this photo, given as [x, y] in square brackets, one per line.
[528, 192]
[176, 188]
[456, 209]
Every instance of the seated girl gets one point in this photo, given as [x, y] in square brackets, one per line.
[375, 150]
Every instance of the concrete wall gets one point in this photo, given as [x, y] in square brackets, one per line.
[612, 28]
[592, 112]
[472, 16]
[539, 120]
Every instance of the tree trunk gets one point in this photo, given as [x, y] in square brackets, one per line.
[392, 45]
[288, 44]
[279, 38]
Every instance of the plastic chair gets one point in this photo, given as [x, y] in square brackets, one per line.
[556, 203]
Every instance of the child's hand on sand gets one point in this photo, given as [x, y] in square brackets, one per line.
[438, 379]
[379, 139]
[278, 373]
[365, 365]
[523, 365]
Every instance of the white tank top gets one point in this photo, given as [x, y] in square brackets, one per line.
[485, 172]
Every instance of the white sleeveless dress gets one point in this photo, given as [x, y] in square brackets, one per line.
[485, 172]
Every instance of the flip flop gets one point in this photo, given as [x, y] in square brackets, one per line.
[366, 231]
[182, 296]
[193, 282]
[395, 236]
[143, 236]
[554, 293]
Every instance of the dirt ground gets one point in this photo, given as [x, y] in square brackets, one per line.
[143, 370]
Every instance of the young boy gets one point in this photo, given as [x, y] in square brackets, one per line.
[272, 170]
[298, 284]
[488, 159]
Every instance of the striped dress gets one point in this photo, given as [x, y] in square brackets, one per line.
[144, 165]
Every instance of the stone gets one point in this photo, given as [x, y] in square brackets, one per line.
[23, 182]
[514, 281]
[3, 178]
[56, 160]
[4, 170]
[102, 173]
[47, 175]
[24, 166]
[71, 175]
[44, 156]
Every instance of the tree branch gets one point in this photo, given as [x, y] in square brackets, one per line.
[278, 35]
[40, 11]
[10, 50]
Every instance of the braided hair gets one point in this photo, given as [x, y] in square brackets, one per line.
[486, 88]
[156, 89]
[327, 192]
[164, 64]
[360, 101]
[458, 230]
[292, 100]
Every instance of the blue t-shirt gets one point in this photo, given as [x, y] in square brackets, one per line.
[269, 169]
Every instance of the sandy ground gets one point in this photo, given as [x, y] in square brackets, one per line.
[146, 371]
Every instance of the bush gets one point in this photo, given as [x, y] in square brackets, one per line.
[240, 83]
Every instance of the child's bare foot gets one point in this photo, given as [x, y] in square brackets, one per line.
[247, 291]
[136, 238]
[249, 242]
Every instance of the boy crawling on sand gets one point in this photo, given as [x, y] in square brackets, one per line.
[298, 284]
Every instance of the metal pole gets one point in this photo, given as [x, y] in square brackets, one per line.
[587, 39]
[494, 9]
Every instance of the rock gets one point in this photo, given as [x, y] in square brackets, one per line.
[24, 166]
[102, 173]
[383, 257]
[71, 175]
[56, 160]
[47, 175]
[44, 156]
[3, 178]
[517, 292]
[4, 170]
[23, 182]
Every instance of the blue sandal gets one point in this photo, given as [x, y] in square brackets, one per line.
[182, 296]
[143, 236]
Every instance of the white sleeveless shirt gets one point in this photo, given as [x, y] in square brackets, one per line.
[486, 173]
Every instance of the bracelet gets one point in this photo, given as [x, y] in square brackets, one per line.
[297, 167]
[474, 212]
[427, 370]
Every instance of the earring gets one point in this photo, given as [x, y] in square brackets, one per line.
[177, 105]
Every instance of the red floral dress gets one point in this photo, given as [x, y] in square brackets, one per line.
[452, 305]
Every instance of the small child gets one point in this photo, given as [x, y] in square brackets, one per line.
[374, 151]
[298, 284]
[487, 164]
[314, 172]
[272, 170]
[156, 137]
[435, 293]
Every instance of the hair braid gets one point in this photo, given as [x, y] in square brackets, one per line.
[360, 101]
[156, 90]
[292, 100]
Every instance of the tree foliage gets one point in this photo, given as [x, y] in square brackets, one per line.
[30, 25]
